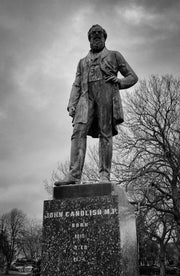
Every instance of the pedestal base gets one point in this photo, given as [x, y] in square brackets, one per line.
[89, 230]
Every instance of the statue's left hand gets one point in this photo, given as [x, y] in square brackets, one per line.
[113, 79]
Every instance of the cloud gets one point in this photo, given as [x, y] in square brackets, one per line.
[24, 197]
[41, 44]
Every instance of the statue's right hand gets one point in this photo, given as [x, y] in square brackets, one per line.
[72, 111]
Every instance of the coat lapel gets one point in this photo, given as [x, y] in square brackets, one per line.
[104, 53]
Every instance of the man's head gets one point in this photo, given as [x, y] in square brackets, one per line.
[97, 37]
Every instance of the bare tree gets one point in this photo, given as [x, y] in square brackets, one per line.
[11, 225]
[149, 143]
[31, 238]
[4, 249]
[147, 149]
[158, 227]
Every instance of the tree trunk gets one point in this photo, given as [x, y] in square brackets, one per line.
[7, 270]
[178, 250]
[7, 266]
[162, 260]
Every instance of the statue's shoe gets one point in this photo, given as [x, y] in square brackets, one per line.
[69, 179]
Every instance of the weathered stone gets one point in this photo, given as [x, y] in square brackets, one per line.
[85, 190]
[95, 104]
[89, 234]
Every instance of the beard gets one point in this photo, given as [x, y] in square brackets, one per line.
[97, 45]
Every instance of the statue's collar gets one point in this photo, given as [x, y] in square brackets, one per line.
[101, 54]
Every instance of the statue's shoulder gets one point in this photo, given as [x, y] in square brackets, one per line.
[82, 62]
[111, 51]
[116, 55]
[114, 52]
[84, 59]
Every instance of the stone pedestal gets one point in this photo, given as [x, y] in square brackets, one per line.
[89, 230]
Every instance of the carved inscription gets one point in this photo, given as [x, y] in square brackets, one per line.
[80, 213]
[80, 222]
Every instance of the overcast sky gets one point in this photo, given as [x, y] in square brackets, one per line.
[41, 42]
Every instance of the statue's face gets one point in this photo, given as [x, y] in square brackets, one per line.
[97, 40]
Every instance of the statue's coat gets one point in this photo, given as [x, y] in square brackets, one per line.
[111, 63]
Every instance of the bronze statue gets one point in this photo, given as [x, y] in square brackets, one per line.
[95, 104]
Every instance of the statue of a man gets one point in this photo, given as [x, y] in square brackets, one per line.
[95, 104]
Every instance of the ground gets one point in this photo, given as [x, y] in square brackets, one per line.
[16, 273]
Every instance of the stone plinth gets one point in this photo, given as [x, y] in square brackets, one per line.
[89, 230]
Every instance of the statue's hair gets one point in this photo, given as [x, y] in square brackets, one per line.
[97, 25]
